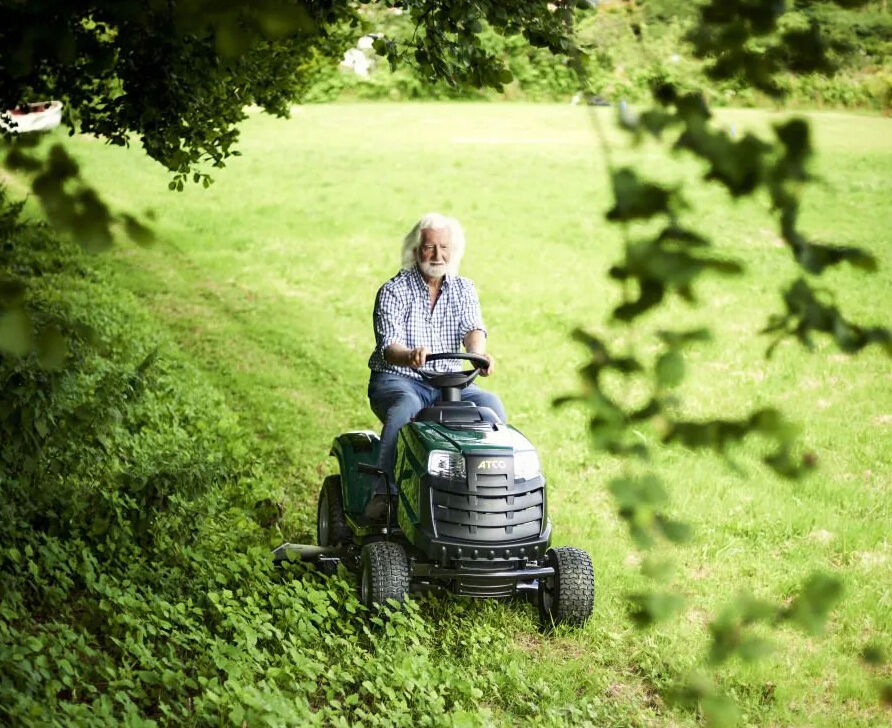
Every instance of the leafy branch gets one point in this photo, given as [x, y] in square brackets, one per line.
[750, 41]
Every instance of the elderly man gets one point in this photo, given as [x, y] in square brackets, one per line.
[424, 309]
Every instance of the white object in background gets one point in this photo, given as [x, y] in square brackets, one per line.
[39, 116]
[367, 41]
[358, 62]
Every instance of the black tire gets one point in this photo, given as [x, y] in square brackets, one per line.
[568, 597]
[383, 573]
[331, 526]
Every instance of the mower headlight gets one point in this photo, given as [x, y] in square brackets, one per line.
[446, 464]
[526, 465]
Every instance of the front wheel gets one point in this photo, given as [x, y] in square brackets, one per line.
[383, 573]
[568, 596]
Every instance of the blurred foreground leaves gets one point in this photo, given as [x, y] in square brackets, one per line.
[70, 205]
[751, 41]
[806, 314]
[23, 330]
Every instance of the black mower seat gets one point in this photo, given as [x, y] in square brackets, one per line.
[460, 414]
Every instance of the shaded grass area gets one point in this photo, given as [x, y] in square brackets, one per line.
[266, 283]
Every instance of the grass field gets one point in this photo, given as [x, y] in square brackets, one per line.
[266, 282]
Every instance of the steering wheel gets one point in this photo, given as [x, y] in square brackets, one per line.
[455, 379]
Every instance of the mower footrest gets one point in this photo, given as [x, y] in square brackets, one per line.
[497, 581]
[440, 572]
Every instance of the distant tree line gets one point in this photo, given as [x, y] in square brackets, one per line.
[631, 45]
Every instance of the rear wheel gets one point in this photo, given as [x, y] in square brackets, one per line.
[331, 526]
[568, 596]
[383, 573]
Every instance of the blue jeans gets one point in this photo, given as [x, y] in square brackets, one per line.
[396, 399]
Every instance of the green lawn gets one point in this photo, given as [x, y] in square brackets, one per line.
[267, 281]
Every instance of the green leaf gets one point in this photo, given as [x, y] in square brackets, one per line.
[655, 121]
[634, 491]
[795, 137]
[812, 606]
[230, 39]
[657, 569]
[237, 714]
[675, 531]
[464, 719]
[872, 654]
[719, 711]
[754, 648]
[137, 231]
[18, 160]
[739, 166]
[649, 608]
[805, 314]
[669, 369]
[279, 20]
[15, 332]
[52, 347]
[651, 292]
[681, 338]
[636, 199]
[675, 234]
[12, 292]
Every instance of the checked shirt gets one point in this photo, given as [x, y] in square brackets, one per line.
[403, 315]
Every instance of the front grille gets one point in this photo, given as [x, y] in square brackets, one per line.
[490, 507]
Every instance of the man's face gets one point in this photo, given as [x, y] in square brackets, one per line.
[433, 253]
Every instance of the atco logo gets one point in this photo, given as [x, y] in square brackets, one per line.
[492, 465]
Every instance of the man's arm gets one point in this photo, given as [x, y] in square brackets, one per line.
[475, 343]
[403, 356]
[389, 316]
[473, 330]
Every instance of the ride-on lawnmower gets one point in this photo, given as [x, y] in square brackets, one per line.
[469, 515]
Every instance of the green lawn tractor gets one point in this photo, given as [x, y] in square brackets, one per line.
[469, 515]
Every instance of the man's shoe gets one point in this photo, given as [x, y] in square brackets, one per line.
[376, 510]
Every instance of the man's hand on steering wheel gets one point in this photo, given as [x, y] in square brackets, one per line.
[418, 357]
[492, 365]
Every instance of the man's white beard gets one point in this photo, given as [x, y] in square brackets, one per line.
[433, 270]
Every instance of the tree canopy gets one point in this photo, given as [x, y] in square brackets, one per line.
[179, 74]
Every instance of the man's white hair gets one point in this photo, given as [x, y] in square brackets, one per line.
[436, 221]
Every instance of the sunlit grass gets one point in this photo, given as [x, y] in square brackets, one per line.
[268, 278]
